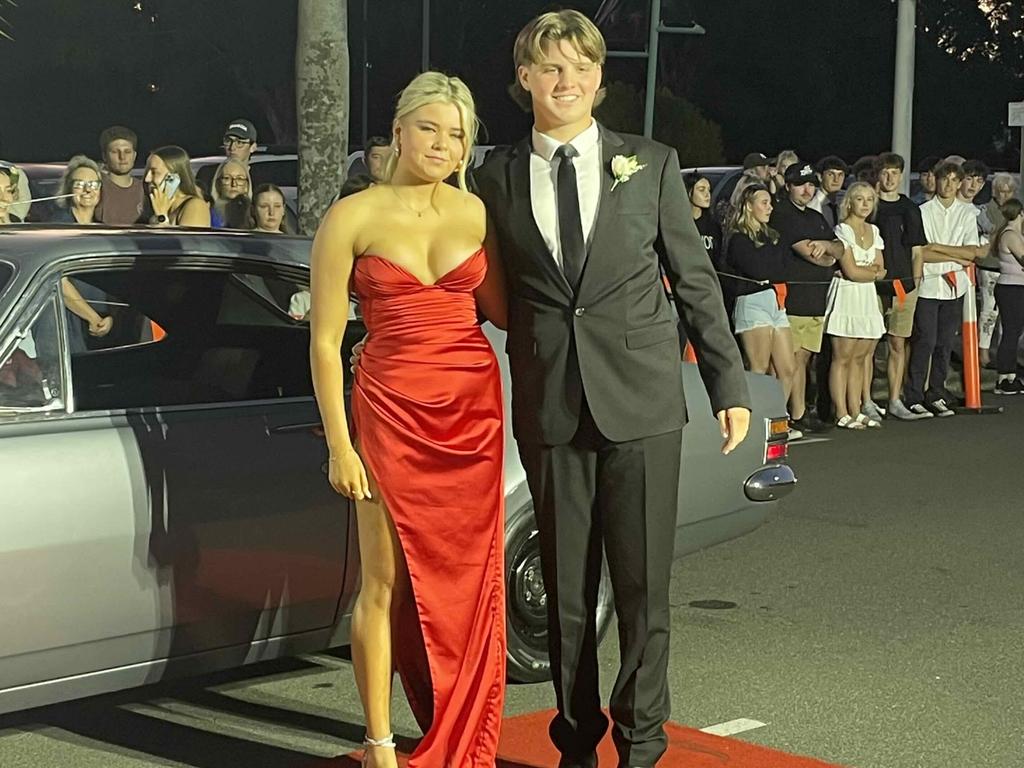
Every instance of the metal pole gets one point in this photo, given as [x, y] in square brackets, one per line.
[903, 92]
[1022, 155]
[425, 60]
[365, 101]
[652, 67]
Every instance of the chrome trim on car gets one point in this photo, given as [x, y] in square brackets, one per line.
[770, 483]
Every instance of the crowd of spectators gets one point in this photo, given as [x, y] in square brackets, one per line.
[166, 192]
[819, 262]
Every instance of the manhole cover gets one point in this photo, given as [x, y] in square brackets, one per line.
[712, 605]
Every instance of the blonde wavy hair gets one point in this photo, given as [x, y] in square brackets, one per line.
[437, 88]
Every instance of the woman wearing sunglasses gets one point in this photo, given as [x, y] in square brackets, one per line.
[82, 181]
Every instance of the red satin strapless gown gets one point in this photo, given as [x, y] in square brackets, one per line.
[428, 417]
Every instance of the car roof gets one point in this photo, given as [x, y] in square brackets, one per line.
[32, 246]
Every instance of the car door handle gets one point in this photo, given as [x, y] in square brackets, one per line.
[307, 426]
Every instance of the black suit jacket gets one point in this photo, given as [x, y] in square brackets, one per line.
[617, 339]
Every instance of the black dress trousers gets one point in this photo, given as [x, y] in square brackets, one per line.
[593, 495]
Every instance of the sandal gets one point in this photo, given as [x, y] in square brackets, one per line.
[848, 422]
[867, 421]
[388, 742]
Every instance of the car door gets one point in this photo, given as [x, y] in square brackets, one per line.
[184, 511]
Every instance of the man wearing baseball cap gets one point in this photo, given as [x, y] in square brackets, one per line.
[813, 250]
[239, 139]
[757, 164]
[239, 142]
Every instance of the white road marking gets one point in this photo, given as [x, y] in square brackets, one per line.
[733, 727]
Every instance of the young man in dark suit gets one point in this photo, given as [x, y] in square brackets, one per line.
[586, 221]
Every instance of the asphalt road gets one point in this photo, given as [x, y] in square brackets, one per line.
[878, 624]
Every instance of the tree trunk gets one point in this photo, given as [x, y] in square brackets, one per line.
[321, 95]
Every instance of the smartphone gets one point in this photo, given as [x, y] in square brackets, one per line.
[170, 184]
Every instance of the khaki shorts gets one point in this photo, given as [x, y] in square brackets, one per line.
[807, 332]
[899, 321]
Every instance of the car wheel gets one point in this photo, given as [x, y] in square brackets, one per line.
[526, 601]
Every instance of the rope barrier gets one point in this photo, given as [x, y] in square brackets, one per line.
[886, 281]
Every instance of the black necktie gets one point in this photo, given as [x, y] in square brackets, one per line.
[835, 212]
[570, 223]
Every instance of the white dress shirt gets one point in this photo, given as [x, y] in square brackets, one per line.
[543, 192]
[955, 225]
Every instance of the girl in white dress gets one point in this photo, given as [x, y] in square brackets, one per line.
[854, 319]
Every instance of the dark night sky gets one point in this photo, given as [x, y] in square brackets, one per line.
[813, 76]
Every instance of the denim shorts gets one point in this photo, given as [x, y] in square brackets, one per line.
[758, 310]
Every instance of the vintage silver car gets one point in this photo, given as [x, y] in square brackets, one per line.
[163, 504]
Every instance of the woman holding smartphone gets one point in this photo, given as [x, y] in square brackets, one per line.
[173, 195]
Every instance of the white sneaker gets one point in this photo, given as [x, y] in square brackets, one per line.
[899, 411]
[795, 434]
[920, 412]
[940, 409]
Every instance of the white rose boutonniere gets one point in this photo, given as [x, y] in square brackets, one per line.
[623, 168]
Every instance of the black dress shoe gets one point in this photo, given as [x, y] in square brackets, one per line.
[587, 761]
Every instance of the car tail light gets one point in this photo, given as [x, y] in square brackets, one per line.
[776, 451]
[778, 427]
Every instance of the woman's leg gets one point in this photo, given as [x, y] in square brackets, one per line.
[869, 374]
[839, 375]
[782, 358]
[382, 566]
[855, 386]
[757, 346]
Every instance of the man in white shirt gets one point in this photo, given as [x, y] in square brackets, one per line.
[953, 223]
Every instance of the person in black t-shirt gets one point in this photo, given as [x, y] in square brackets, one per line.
[813, 250]
[699, 188]
[755, 251]
[899, 221]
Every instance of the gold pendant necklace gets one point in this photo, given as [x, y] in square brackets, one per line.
[419, 214]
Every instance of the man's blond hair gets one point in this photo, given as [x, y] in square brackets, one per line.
[580, 32]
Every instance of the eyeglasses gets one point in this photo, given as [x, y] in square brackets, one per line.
[88, 186]
[234, 181]
[232, 141]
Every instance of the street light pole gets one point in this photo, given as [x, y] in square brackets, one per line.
[655, 31]
[903, 92]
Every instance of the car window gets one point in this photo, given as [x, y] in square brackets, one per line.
[6, 273]
[121, 324]
[30, 372]
[283, 173]
[228, 336]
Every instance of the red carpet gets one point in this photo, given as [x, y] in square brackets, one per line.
[525, 744]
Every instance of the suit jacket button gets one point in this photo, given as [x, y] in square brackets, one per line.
[579, 311]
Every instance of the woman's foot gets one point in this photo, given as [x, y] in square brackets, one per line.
[379, 753]
[848, 422]
[868, 422]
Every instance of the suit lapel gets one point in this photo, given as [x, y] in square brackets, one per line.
[611, 145]
[522, 214]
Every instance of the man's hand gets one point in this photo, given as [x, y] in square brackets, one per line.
[101, 327]
[357, 352]
[734, 423]
[818, 249]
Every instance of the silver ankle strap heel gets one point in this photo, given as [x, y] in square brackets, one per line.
[387, 742]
